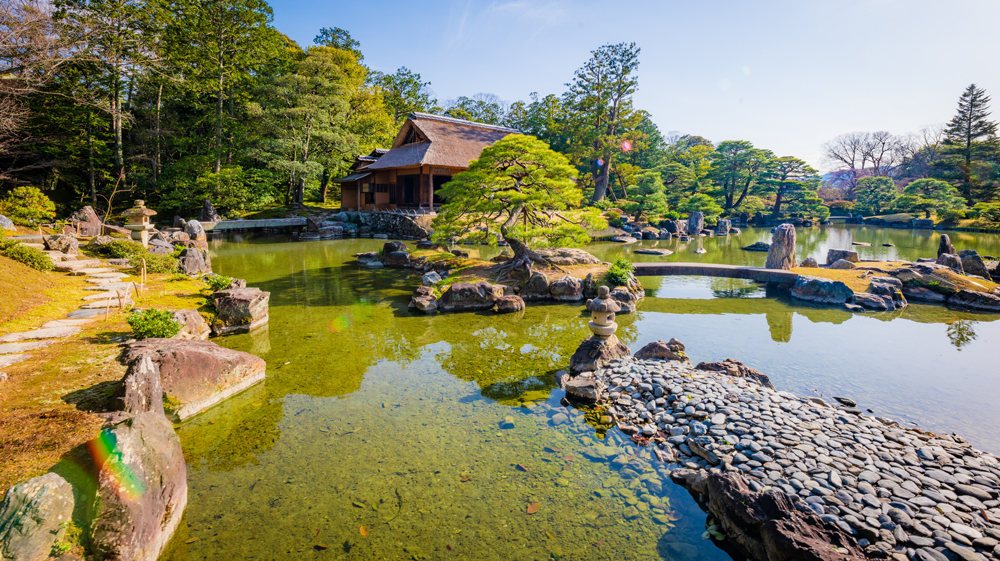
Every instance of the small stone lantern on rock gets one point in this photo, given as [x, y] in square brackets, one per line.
[602, 314]
[138, 221]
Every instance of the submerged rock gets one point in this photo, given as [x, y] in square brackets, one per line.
[464, 296]
[757, 246]
[32, 515]
[509, 304]
[567, 289]
[535, 288]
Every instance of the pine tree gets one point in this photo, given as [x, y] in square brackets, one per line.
[969, 132]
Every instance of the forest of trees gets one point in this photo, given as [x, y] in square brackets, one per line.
[107, 101]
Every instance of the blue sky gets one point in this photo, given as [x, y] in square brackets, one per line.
[785, 75]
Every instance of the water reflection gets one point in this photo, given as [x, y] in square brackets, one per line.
[962, 333]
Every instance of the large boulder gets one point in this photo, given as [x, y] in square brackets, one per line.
[736, 369]
[195, 261]
[842, 264]
[239, 310]
[62, 242]
[889, 287]
[193, 326]
[945, 246]
[722, 227]
[809, 262]
[395, 245]
[973, 264]
[99, 241]
[32, 515]
[627, 298]
[194, 375]
[695, 223]
[566, 289]
[875, 302]
[208, 213]
[141, 390]
[7, 223]
[397, 260]
[923, 295]
[978, 301]
[822, 291]
[670, 226]
[781, 253]
[590, 286]
[768, 526]
[195, 231]
[368, 259]
[565, 257]
[535, 288]
[834, 255]
[952, 261]
[160, 247]
[509, 304]
[141, 488]
[424, 300]
[465, 296]
[86, 221]
[189, 243]
[663, 350]
[594, 353]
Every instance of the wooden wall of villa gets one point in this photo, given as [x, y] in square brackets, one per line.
[401, 188]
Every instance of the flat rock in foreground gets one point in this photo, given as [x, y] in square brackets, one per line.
[194, 374]
[31, 517]
[50, 333]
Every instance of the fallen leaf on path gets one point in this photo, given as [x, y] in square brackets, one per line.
[521, 467]
[321, 547]
[192, 540]
[364, 531]
[533, 507]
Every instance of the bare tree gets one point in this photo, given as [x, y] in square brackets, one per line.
[883, 150]
[848, 153]
[920, 150]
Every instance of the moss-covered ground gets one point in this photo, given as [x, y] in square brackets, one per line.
[859, 279]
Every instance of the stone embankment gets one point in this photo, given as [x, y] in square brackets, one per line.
[791, 477]
[407, 225]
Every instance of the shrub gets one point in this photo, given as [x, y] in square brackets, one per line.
[620, 272]
[30, 256]
[27, 206]
[155, 263]
[153, 323]
[218, 282]
[951, 215]
[123, 249]
[7, 244]
[615, 219]
[841, 206]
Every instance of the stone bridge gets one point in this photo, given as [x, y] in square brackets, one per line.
[775, 276]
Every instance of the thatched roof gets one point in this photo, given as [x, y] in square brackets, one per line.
[427, 139]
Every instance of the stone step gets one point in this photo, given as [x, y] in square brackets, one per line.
[116, 275]
[69, 266]
[8, 360]
[65, 322]
[50, 333]
[84, 314]
[11, 348]
[92, 270]
[108, 295]
[58, 256]
[110, 303]
[40, 246]
[115, 286]
[100, 281]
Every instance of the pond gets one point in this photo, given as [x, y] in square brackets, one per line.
[385, 434]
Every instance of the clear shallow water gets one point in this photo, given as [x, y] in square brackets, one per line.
[375, 417]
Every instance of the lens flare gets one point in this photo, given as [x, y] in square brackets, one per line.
[108, 459]
[626, 146]
[600, 163]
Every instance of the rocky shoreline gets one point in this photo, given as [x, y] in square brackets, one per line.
[791, 477]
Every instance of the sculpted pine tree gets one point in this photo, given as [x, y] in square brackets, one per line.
[524, 191]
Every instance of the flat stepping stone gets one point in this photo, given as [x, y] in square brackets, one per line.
[69, 266]
[91, 270]
[40, 246]
[108, 295]
[113, 286]
[104, 304]
[57, 256]
[112, 280]
[64, 323]
[84, 313]
[115, 275]
[650, 251]
[11, 348]
[50, 333]
[6, 361]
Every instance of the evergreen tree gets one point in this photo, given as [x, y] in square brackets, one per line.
[795, 183]
[970, 134]
[405, 92]
[875, 194]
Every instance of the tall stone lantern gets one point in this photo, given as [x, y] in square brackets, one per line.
[138, 221]
[602, 314]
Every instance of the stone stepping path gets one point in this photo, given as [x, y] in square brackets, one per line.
[85, 313]
[92, 271]
[12, 359]
[115, 275]
[68, 266]
[108, 295]
[113, 286]
[114, 302]
[12, 348]
[58, 256]
[99, 281]
[50, 333]
[65, 322]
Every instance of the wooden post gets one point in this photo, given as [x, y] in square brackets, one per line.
[431, 188]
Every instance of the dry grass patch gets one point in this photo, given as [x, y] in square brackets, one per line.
[857, 279]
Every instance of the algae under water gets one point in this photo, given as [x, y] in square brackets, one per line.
[384, 434]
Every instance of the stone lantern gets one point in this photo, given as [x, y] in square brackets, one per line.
[602, 314]
[138, 222]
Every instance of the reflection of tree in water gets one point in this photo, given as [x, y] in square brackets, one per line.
[735, 288]
[780, 325]
[962, 333]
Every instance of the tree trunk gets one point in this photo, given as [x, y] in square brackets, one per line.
[218, 113]
[324, 184]
[156, 153]
[777, 204]
[90, 160]
[601, 181]
[116, 120]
